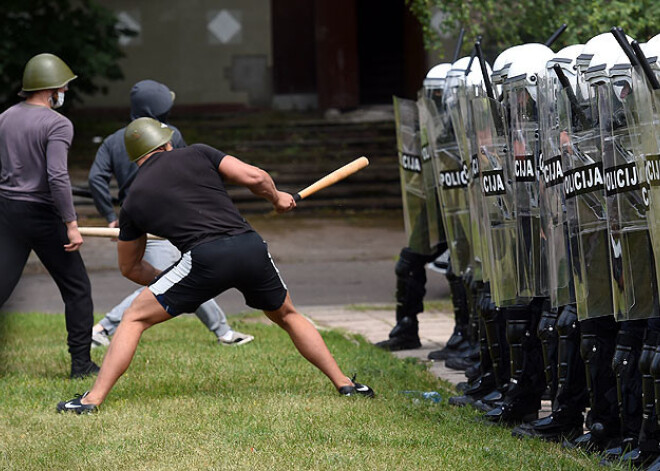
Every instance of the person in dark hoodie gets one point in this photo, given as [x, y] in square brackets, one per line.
[149, 99]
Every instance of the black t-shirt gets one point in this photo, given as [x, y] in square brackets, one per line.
[180, 195]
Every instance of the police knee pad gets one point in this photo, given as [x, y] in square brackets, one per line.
[655, 364]
[624, 359]
[411, 282]
[517, 324]
[588, 348]
[567, 322]
[547, 328]
[648, 351]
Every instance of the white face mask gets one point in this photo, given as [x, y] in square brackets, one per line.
[60, 100]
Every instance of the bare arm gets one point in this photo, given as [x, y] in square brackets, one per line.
[131, 264]
[257, 181]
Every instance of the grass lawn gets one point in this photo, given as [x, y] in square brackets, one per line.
[187, 403]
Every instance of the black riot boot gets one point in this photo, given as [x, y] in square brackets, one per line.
[648, 447]
[628, 385]
[498, 347]
[547, 332]
[597, 345]
[410, 290]
[484, 383]
[459, 340]
[522, 398]
[566, 420]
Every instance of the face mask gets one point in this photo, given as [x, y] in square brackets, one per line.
[60, 100]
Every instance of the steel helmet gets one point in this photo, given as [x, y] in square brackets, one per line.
[44, 72]
[144, 135]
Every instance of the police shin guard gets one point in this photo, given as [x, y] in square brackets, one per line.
[566, 420]
[410, 290]
[522, 398]
[648, 447]
[597, 344]
[458, 342]
[629, 381]
[484, 383]
[547, 333]
[495, 326]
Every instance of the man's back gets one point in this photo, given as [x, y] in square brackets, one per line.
[181, 196]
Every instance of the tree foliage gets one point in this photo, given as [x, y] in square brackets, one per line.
[81, 32]
[505, 23]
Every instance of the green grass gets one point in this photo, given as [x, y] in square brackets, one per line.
[187, 403]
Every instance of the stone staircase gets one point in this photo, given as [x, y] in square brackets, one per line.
[297, 149]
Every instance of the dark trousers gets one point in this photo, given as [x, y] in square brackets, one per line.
[26, 226]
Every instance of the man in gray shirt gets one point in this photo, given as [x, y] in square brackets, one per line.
[149, 99]
[36, 206]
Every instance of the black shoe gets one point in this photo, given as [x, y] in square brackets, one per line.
[459, 363]
[356, 390]
[553, 428]
[83, 369]
[74, 405]
[595, 440]
[394, 344]
[473, 372]
[449, 352]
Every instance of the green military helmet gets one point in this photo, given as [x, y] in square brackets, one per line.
[45, 72]
[144, 135]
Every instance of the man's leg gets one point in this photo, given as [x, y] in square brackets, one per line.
[14, 249]
[142, 314]
[308, 341]
[112, 319]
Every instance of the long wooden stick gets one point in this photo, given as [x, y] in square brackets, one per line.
[110, 232]
[333, 177]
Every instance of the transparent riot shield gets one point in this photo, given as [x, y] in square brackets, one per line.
[524, 157]
[631, 257]
[643, 115]
[451, 183]
[410, 171]
[585, 208]
[459, 114]
[478, 214]
[496, 179]
[556, 274]
[427, 140]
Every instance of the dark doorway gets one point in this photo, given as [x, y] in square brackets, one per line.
[390, 51]
[380, 50]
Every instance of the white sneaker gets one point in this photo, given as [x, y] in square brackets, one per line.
[233, 338]
[100, 339]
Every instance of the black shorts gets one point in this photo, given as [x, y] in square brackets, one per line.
[240, 262]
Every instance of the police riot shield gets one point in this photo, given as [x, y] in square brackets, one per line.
[496, 178]
[631, 257]
[556, 275]
[459, 115]
[643, 114]
[524, 157]
[410, 172]
[585, 207]
[427, 142]
[451, 183]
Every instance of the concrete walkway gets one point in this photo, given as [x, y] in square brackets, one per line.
[435, 329]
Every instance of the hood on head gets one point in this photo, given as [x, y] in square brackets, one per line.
[151, 99]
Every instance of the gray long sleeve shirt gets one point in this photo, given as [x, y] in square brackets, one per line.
[34, 146]
[112, 159]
